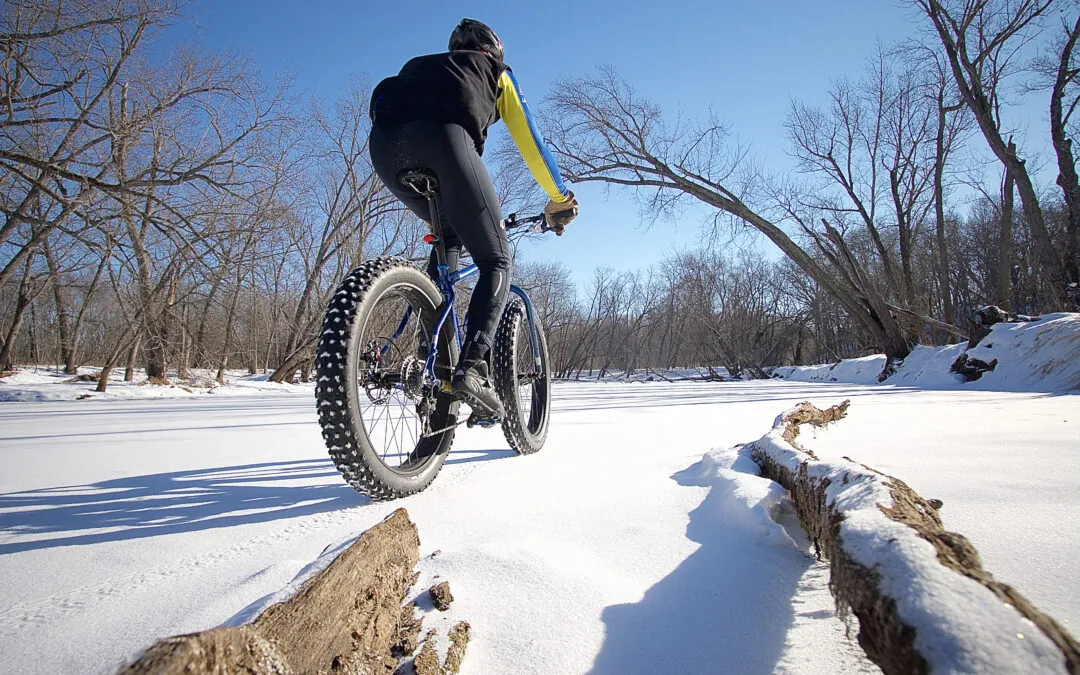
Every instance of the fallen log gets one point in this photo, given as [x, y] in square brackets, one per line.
[922, 598]
[347, 618]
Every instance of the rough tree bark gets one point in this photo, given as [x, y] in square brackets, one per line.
[347, 618]
[826, 493]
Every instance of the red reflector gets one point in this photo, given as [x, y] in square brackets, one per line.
[429, 239]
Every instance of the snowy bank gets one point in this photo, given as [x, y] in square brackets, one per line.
[1030, 356]
[923, 600]
[41, 383]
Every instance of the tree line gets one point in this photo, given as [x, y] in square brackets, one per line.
[173, 211]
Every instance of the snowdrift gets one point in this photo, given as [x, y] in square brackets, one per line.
[1041, 355]
[923, 600]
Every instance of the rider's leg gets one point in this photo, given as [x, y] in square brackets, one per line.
[470, 208]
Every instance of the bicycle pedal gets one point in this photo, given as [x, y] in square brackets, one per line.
[482, 422]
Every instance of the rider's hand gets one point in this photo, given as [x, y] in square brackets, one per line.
[559, 214]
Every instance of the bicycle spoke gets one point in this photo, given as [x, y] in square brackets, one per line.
[378, 426]
[391, 421]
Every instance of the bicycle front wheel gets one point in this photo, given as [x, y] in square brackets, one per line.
[523, 385]
[386, 424]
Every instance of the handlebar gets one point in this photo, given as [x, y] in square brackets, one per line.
[538, 222]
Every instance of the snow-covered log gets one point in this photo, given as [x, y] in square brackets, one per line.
[347, 618]
[923, 600]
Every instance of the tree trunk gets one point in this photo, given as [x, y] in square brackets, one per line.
[22, 302]
[129, 371]
[347, 618]
[833, 518]
[183, 358]
[200, 334]
[103, 377]
[876, 316]
[1067, 177]
[129, 342]
[287, 369]
[906, 235]
[77, 328]
[223, 363]
[944, 282]
[35, 350]
[977, 101]
[67, 351]
[253, 361]
[1005, 246]
[157, 335]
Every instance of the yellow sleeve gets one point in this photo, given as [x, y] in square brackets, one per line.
[515, 114]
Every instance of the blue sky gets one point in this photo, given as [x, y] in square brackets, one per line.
[745, 60]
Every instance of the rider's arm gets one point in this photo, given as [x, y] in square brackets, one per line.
[515, 114]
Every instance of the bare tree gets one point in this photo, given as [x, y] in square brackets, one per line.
[604, 132]
[982, 41]
[349, 203]
[1064, 97]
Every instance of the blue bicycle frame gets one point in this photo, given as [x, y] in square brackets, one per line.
[425, 184]
[446, 282]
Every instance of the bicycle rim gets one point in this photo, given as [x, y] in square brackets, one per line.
[388, 379]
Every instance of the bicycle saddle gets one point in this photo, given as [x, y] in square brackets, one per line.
[421, 181]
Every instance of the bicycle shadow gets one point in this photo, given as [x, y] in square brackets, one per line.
[728, 607]
[469, 456]
[136, 507]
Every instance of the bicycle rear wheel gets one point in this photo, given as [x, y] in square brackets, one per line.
[523, 386]
[386, 425]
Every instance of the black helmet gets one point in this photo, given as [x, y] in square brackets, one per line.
[477, 36]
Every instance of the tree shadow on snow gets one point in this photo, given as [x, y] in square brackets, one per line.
[725, 609]
[166, 503]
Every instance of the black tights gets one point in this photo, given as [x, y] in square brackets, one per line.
[469, 208]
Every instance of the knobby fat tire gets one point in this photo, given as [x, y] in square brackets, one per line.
[339, 395]
[525, 435]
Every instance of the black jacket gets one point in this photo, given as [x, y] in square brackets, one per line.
[459, 87]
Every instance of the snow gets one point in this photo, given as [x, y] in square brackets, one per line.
[970, 629]
[636, 541]
[1049, 351]
[1041, 355]
[857, 371]
[47, 384]
[640, 539]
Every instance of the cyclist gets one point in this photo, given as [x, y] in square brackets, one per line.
[435, 114]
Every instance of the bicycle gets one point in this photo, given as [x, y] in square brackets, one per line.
[390, 339]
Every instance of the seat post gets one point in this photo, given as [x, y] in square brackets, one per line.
[425, 184]
[436, 228]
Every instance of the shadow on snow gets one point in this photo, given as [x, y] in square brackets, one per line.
[166, 503]
[728, 607]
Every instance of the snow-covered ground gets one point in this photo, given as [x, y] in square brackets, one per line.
[637, 541]
[40, 383]
[1036, 356]
[616, 549]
